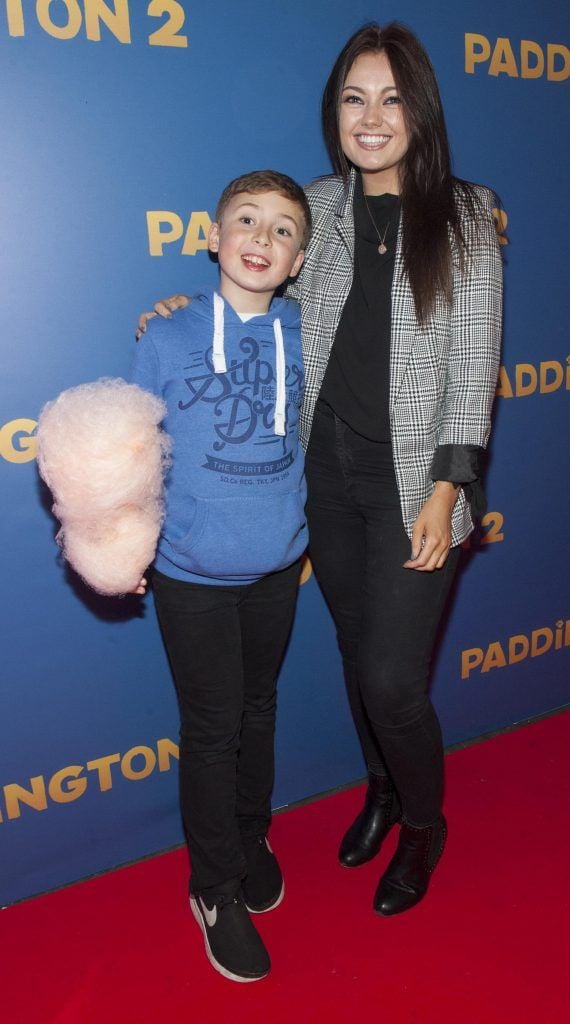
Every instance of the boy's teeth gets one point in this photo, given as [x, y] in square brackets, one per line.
[257, 259]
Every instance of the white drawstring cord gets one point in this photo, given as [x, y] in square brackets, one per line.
[219, 360]
[279, 415]
[219, 355]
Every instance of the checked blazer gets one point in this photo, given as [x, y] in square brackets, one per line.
[442, 375]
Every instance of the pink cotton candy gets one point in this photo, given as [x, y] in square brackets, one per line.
[103, 456]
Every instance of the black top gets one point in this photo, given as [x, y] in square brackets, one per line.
[356, 382]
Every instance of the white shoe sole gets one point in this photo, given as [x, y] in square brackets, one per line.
[273, 905]
[217, 966]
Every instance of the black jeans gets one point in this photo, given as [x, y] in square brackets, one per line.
[386, 616]
[225, 646]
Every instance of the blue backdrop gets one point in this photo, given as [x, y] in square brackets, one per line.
[121, 123]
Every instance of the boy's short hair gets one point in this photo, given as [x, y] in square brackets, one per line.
[268, 181]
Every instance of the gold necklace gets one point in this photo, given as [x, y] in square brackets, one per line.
[382, 248]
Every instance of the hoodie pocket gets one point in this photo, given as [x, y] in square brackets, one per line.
[244, 537]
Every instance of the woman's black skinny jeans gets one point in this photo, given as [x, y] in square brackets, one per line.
[386, 616]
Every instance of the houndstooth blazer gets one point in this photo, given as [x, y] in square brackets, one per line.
[443, 375]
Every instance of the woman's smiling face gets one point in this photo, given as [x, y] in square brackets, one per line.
[372, 127]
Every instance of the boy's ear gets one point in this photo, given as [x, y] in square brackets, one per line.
[214, 236]
[297, 264]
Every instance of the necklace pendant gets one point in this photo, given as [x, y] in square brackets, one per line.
[382, 248]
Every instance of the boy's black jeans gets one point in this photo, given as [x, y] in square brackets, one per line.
[386, 616]
[225, 646]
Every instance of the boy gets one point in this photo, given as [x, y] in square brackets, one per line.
[225, 579]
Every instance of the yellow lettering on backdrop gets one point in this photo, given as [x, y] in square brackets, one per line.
[66, 785]
[546, 635]
[14, 795]
[17, 441]
[167, 34]
[554, 50]
[70, 783]
[501, 221]
[74, 19]
[199, 222]
[548, 378]
[166, 751]
[494, 658]
[504, 387]
[15, 17]
[158, 238]
[117, 20]
[494, 521]
[535, 70]
[518, 648]
[306, 570]
[469, 660]
[503, 60]
[477, 51]
[149, 765]
[522, 387]
[102, 765]
[546, 386]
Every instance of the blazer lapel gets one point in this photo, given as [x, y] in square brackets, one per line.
[404, 327]
[345, 216]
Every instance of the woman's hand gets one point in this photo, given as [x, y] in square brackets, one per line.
[431, 534]
[165, 308]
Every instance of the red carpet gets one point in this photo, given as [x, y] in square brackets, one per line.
[489, 944]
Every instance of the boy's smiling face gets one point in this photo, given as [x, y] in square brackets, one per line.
[258, 243]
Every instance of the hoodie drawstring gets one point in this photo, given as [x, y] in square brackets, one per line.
[219, 355]
[219, 360]
[279, 415]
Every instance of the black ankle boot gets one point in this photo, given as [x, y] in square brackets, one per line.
[366, 834]
[406, 879]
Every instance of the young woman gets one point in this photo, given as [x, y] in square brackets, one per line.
[401, 309]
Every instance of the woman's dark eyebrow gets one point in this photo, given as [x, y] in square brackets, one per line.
[356, 88]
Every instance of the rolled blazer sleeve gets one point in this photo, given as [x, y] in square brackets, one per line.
[473, 361]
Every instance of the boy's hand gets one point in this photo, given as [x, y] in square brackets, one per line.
[141, 589]
[164, 307]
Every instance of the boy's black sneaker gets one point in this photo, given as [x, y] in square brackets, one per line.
[233, 946]
[263, 888]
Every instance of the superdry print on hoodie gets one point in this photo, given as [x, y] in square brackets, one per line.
[236, 491]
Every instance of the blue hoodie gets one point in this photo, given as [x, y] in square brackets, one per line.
[235, 493]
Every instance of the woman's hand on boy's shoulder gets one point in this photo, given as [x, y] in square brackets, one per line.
[165, 308]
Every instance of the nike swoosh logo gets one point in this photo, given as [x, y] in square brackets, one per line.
[210, 915]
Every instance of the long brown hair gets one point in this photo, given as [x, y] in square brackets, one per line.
[427, 185]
